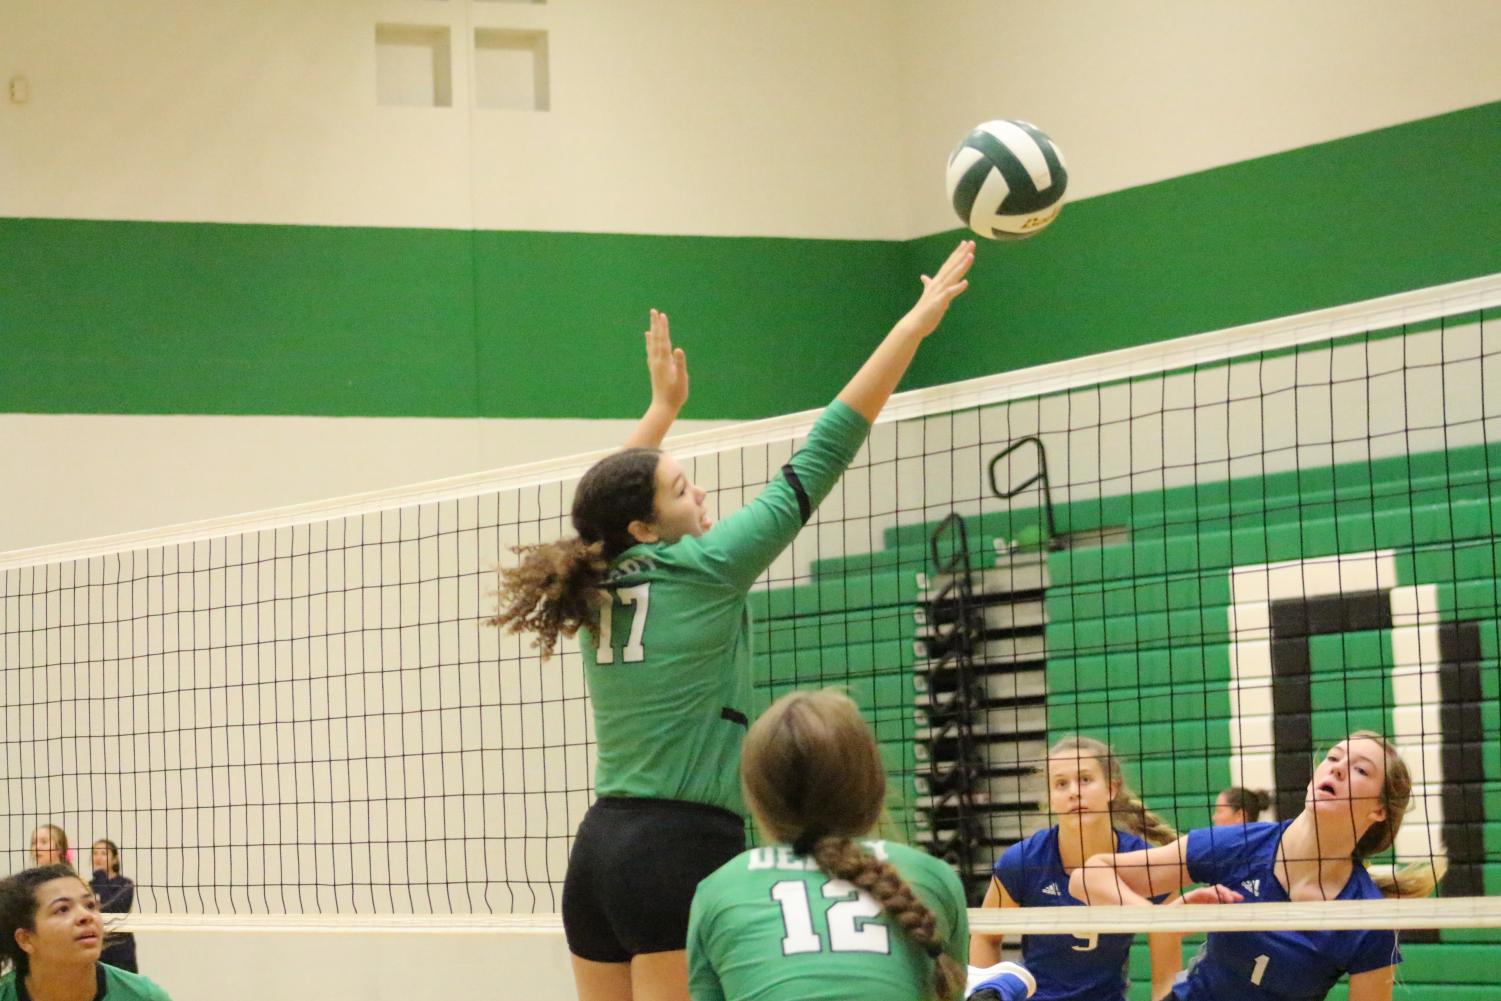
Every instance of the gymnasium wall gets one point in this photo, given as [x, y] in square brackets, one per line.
[210, 216]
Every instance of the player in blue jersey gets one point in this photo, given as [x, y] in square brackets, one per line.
[659, 600]
[1097, 812]
[821, 912]
[1353, 809]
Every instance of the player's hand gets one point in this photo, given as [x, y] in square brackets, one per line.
[667, 366]
[938, 291]
[1211, 895]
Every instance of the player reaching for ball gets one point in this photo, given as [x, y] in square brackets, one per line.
[658, 598]
[1353, 810]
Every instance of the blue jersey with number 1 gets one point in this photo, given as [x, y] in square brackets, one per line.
[1071, 967]
[1273, 966]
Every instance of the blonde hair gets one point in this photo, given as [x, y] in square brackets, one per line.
[1420, 878]
[59, 842]
[812, 777]
[1127, 812]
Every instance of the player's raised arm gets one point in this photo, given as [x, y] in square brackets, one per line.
[668, 368]
[877, 379]
[745, 543]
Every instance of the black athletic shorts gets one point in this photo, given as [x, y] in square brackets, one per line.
[634, 867]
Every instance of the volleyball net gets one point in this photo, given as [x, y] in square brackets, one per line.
[1219, 555]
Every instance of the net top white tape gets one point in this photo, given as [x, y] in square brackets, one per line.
[1336, 915]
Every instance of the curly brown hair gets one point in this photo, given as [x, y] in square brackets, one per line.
[813, 778]
[558, 587]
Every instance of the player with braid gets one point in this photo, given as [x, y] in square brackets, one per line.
[1097, 812]
[820, 913]
[659, 599]
[1353, 810]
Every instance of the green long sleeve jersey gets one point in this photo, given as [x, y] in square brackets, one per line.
[669, 669]
[113, 985]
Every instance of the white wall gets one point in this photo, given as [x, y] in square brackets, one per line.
[91, 475]
[667, 116]
[717, 117]
[299, 966]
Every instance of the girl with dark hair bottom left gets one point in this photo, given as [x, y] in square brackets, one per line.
[50, 939]
[819, 913]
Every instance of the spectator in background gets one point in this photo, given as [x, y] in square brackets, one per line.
[116, 895]
[49, 846]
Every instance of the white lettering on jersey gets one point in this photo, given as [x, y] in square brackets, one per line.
[778, 857]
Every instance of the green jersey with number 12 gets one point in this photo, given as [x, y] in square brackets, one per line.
[769, 926]
[669, 668]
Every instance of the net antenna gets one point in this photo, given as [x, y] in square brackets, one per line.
[1041, 477]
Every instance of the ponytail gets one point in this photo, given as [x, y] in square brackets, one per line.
[557, 589]
[1411, 881]
[1249, 803]
[1129, 814]
[813, 778]
[841, 858]
[559, 586]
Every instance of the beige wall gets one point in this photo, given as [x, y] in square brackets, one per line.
[1140, 92]
[303, 966]
[825, 119]
[667, 116]
[92, 475]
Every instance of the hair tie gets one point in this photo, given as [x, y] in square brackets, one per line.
[807, 841]
[934, 948]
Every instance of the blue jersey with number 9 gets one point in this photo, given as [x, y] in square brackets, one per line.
[1273, 966]
[1071, 967]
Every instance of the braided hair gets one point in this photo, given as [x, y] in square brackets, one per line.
[813, 778]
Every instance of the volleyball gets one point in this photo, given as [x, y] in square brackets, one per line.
[1006, 180]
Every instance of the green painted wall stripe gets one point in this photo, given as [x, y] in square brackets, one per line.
[127, 317]
[130, 317]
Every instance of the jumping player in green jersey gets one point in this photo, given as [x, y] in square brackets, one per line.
[658, 598]
[815, 914]
[51, 935]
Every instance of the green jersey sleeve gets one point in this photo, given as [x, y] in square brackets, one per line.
[703, 982]
[741, 546]
[131, 986]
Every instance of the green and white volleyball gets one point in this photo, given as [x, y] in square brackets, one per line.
[1006, 180]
